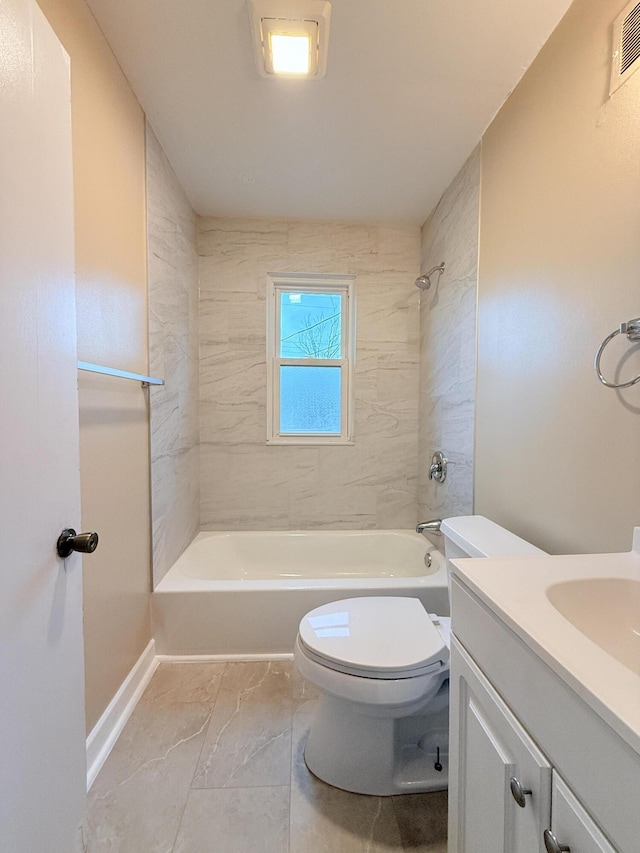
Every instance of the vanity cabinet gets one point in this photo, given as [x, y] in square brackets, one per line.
[506, 796]
[513, 718]
[494, 755]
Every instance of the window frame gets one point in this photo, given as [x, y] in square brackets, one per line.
[278, 283]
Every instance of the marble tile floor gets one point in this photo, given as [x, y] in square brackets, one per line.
[211, 761]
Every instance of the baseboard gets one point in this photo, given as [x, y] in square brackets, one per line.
[105, 733]
[221, 658]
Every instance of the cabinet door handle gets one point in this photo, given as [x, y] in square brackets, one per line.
[552, 844]
[518, 792]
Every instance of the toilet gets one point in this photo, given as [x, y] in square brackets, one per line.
[381, 666]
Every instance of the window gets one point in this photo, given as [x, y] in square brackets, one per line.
[310, 359]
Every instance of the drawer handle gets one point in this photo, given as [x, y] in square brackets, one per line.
[552, 844]
[518, 792]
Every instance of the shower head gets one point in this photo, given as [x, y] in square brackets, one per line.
[424, 281]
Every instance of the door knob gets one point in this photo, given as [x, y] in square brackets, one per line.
[69, 541]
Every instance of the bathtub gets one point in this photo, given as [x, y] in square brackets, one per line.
[244, 593]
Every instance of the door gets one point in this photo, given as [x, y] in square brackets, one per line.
[493, 764]
[42, 738]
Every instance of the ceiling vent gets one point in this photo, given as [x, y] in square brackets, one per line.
[626, 45]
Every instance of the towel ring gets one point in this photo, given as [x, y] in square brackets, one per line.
[632, 330]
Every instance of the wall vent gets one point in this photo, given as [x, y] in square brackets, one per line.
[626, 45]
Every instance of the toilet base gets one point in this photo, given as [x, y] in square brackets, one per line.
[380, 756]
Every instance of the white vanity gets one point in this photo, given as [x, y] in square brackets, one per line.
[545, 705]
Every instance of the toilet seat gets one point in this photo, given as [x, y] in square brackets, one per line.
[377, 637]
[379, 696]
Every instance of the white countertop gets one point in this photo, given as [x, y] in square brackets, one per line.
[515, 589]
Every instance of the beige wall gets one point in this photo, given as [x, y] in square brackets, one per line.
[244, 483]
[109, 163]
[448, 346]
[173, 354]
[557, 453]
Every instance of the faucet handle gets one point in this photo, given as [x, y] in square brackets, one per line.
[438, 467]
[432, 526]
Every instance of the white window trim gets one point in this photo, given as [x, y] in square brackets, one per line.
[277, 283]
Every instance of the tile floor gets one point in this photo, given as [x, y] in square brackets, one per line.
[211, 761]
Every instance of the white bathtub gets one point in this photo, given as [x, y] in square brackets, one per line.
[244, 593]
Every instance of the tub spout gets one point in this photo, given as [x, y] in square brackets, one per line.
[432, 526]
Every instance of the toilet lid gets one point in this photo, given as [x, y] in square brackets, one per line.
[377, 636]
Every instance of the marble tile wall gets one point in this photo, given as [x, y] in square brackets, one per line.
[173, 355]
[448, 346]
[244, 483]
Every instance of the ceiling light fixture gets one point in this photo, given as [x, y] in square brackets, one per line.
[290, 37]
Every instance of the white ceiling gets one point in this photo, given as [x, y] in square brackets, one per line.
[411, 86]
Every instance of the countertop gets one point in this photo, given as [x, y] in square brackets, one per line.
[515, 589]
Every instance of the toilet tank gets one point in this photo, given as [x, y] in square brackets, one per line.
[477, 536]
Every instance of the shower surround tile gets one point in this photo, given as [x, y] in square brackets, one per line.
[447, 346]
[244, 483]
[172, 263]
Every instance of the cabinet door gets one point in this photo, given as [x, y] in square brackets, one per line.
[489, 748]
[571, 825]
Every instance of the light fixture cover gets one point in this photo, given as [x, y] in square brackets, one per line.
[275, 22]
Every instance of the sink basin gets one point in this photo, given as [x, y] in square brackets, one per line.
[606, 610]
[580, 614]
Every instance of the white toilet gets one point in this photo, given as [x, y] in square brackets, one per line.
[381, 665]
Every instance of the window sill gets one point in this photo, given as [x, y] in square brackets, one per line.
[317, 440]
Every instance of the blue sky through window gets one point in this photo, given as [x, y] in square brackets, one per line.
[310, 397]
[310, 325]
